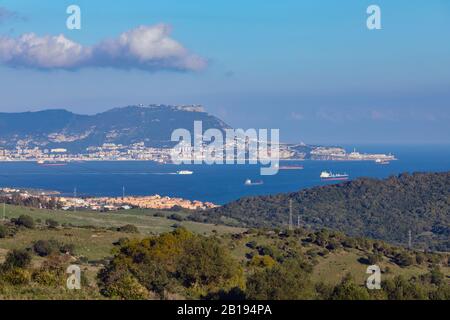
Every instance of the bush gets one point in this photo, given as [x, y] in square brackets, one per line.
[3, 232]
[45, 248]
[16, 276]
[252, 244]
[262, 262]
[46, 278]
[282, 282]
[175, 217]
[403, 259]
[67, 248]
[126, 287]
[348, 290]
[176, 208]
[178, 262]
[25, 221]
[17, 258]
[129, 228]
[52, 224]
[159, 214]
[374, 258]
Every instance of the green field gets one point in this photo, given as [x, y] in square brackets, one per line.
[144, 219]
[93, 235]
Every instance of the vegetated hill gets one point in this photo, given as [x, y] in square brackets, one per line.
[380, 209]
[152, 125]
[120, 259]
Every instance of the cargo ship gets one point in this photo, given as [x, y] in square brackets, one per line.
[291, 168]
[329, 176]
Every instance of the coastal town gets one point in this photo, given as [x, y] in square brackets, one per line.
[141, 152]
[15, 195]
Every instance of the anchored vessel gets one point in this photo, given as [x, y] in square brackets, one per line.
[291, 167]
[249, 182]
[185, 172]
[329, 176]
[381, 161]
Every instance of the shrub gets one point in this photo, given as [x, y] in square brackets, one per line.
[348, 290]
[252, 244]
[126, 287]
[17, 276]
[46, 278]
[262, 262]
[17, 258]
[52, 224]
[374, 258]
[420, 258]
[176, 217]
[159, 214]
[282, 282]
[45, 248]
[403, 259]
[3, 232]
[177, 208]
[175, 262]
[67, 248]
[129, 228]
[25, 221]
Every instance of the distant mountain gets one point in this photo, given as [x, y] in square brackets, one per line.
[380, 209]
[151, 124]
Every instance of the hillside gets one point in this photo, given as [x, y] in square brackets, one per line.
[152, 125]
[201, 263]
[378, 209]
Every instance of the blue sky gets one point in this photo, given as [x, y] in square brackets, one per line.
[310, 68]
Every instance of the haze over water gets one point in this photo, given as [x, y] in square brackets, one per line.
[216, 183]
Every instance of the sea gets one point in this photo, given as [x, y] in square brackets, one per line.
[214, 183]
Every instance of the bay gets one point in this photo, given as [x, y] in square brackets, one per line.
[215, 183]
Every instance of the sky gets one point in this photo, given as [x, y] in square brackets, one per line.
[310, 68]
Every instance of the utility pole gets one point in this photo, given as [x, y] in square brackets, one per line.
[290, 214]
[75, 199]
[410, 239]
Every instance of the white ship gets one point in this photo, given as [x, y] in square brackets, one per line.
[185, 172]
[329, 176]
[249, 182]
[380, 161]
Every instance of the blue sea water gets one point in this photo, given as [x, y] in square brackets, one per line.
[216, 183]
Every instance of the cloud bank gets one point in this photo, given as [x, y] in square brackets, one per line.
[147, 48]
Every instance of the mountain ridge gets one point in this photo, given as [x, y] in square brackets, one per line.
[60, 128]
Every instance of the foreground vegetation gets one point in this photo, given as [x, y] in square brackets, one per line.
[122, 260]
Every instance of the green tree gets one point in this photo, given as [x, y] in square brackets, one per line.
[287, 281]
[348, 290]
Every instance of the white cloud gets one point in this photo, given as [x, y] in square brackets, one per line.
[146, 47]
[47, 52]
